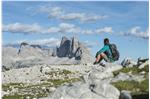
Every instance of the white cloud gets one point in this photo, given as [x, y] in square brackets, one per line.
[35, 28]
[90, 44]
[83, 17]
[52, 30]
[59, 13]
[69, 28]
[72, 16]
[87, 32]
[61, 28]
[55, 12]
[66, 26]
[48, 42]
[104, 30]
[24, 28]
[137, 32]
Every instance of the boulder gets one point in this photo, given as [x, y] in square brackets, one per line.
[4, 68]
[101, 73]
[124, 76]
[97, 75]
[4, 93]
[93, 87]
[143, 64]
[128, 62]
[125, 95]
[91, 95]
[141, 61]
[77, 91]
[59, 93]
[83, 91]
[107, 90]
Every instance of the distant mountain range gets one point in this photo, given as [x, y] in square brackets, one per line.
[70, 51]
[17, 45]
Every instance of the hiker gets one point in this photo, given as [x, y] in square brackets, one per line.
[109, 53]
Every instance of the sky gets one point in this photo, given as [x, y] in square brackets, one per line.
[124, 23]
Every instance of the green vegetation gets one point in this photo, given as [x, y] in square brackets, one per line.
[58, 82]
[17, 96]
[133, 70]
[36, 90]
[136, 88]
[63, 72]
[66, 72]
[27, 89]
[133, 86]
[9, 86]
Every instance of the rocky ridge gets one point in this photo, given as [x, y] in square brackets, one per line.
[69, 52]
[69, 81]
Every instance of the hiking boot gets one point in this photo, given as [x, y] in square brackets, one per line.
[102, 64]
[95, 63]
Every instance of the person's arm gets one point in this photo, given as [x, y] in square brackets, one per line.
[103, 49]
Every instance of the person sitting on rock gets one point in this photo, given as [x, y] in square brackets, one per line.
[104, 53]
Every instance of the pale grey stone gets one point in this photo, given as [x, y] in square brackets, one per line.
[107, 90]
[143, 64]
[91, 95]
[128, 62]
[125, 95]
[130, 77]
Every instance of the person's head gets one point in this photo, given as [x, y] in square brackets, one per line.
[106, 41]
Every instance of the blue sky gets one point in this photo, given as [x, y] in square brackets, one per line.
[124, 23]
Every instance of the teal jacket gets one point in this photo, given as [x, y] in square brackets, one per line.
[106, 49]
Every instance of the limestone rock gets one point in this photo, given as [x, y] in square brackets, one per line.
[74, 48]
[143, 64]
[91, 95]
[27, 55]
[128, 62]
[4, 68]
[125, 95]
[141, 61]
[64, 49]
[129, 77]
[107, 90]
[94, 86]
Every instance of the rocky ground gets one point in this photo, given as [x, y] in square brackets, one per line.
[65, 72]
[38, 81]
[77, 82]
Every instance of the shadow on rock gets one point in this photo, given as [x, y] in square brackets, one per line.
[141, 96]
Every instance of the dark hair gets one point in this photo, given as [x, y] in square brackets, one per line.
[106, 41]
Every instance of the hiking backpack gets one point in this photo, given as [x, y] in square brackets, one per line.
[114, 51]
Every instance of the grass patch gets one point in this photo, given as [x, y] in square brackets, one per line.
[136, 88]
[58, 82]
[66, 72]
[29, 90]
[134, 70]
[133, 86]
[6, 87]
[56, 73]
[37, 91]
[16, 96]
